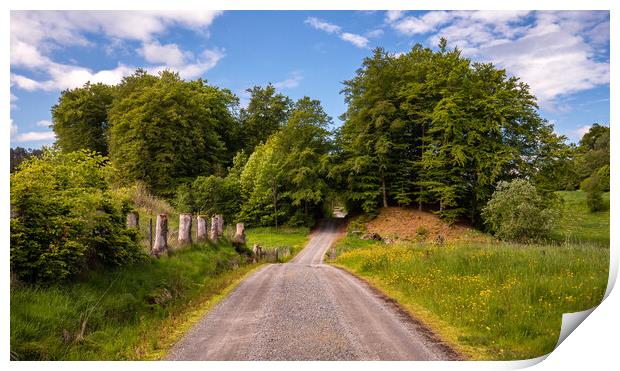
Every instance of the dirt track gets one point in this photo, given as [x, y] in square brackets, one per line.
[307, 310]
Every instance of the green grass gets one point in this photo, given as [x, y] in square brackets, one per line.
[578, 224]
[130, 313]
[497, 301]
[271, 238]
[494, 300]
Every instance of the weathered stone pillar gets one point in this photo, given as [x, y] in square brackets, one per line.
[216, 227]
[220, 221]
[240, 234]
[160, 245]
[185, 229]
[201, 228]
[133, 219]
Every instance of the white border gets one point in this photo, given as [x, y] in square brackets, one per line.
[594, 343]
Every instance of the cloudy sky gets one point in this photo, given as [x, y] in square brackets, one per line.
[563, 56]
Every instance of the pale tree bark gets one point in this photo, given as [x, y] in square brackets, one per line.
[185, 229]
[217, 227]
[240, 234]
[201, 228]
[161, 236]
[133, 219]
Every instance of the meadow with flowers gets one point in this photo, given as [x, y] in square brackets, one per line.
[489, 300]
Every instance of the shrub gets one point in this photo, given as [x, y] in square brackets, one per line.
[65, 219]
[594, 185]
[516, 211]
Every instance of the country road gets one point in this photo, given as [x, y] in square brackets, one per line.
[307, 310]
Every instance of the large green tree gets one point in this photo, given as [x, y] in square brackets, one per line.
[265, 114]
[166, 131]
[80, 118]
[284, 178]
[432, 128]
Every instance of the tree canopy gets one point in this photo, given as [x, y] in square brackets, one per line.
[166, 131]
[434, 129]
[80, 118]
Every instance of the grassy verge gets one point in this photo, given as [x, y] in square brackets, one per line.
[270, 238]
[130, 313]
[491, 301]
[578, 224]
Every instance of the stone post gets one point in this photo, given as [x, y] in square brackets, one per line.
[133, 219]
[240, 234]
[220, 224]
[201, 228]
[160, 245]
[185, 229]
[215, 227]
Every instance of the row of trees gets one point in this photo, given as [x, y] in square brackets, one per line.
[426, 128]
[432, 129]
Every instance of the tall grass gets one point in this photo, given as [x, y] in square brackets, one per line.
[129, 313]
[493, 301]
[578, 224]
[270, 238]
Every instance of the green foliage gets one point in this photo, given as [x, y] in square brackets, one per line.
[578, 225]
[166, 131]
[493, 301]
[517, 211]
[211, 195]
[20, 154]
[126, 314]
[65, 220]
[267, 112]
[595, 200]
[432, 128]
[284, 178]
[81, 118]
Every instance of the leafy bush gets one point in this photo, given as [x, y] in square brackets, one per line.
[66, 220]
[516, 211]
[594, 185]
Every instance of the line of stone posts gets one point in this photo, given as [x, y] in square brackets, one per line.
[203, 232]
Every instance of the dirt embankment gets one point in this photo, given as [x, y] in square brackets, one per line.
[405, 224]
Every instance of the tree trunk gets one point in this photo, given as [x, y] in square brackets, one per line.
[385, 204]
[185, 229]
[161, 236]
[133, 219]
[275, 205]
[240, 234]
[216, 233]
[201, 228]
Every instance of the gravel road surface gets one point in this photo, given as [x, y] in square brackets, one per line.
[307, 310]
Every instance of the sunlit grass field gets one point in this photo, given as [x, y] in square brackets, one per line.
[271, 237]
[577, 224]
[130, 313]
[493, 300]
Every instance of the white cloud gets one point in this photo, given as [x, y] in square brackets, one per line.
[13, 100]
[35, 136]
[44, 123]
[581, 131]
[291, 82]
[355, 39]
[322, 25]
[34, 34]
[170, 54]
[31, 136]
[418, 25]
[392, 15]
[555, 52]
[13, 128]
[375, 33]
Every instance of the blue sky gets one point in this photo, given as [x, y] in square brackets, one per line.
[563, 56]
